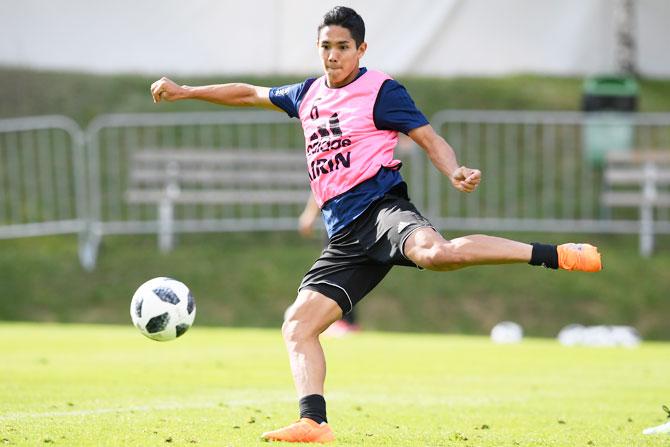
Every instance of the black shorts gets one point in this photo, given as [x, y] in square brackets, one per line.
[359, 256]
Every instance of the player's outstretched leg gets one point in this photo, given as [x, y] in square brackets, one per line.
[428, 249]
[308, 317]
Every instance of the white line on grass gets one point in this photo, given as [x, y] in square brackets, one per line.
[447, 401]
[139, 408]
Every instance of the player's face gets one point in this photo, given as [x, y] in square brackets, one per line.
[339, 55]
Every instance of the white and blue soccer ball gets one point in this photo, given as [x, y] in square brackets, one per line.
[162, 309]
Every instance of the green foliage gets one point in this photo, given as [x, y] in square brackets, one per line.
[82, 96]
[109, 386]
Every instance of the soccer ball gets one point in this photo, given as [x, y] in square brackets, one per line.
[162, 309]
[507, 332]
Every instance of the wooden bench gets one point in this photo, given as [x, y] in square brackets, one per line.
[638, 180]
[169, 177]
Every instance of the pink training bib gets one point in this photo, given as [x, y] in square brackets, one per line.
[343, 146]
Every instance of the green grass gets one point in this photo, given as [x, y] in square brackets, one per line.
[109, 386]
[250, 279]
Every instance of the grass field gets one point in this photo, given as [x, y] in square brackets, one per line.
[108, 386]
[249, 279]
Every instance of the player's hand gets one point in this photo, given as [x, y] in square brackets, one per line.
[166, 90]
[466, 179]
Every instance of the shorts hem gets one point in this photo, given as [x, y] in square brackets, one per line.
[315, 287]
[406, 236]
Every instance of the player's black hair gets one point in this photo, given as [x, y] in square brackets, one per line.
[346, 18]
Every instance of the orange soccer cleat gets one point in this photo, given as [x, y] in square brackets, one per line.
[305, 430]
[580, 257]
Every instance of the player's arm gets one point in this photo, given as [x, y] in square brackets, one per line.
[443, 158]
[235, 94]
[308, 217]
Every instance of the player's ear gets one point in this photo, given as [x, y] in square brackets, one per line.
[362, 48]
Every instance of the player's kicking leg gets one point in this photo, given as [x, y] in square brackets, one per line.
[308, 317]
[428, 249]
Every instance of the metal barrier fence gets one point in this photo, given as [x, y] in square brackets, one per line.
[113, 139]
[42, 177]
[540, 172]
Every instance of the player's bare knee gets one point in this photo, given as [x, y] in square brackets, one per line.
[289, 329]
[294, 328]
[445, 256]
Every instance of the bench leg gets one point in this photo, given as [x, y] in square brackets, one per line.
[165, 226]
[89, 242]
[646, 230]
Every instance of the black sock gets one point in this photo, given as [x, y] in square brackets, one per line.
[313, 407]
[545, 255]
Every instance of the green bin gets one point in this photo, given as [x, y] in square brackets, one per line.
[608, 101]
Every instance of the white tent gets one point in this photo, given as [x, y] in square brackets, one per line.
[421, 37]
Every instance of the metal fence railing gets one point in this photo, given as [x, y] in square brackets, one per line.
[541, 172]
[42, 177]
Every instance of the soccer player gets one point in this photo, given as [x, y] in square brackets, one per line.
[351, 117]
